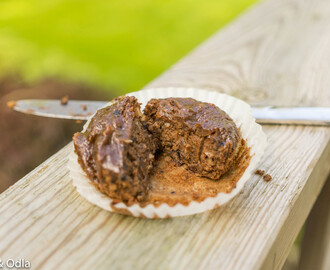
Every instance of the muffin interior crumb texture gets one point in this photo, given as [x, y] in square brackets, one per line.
[195, 134]
[177, 151]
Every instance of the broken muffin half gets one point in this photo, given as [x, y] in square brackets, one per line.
[195, 134]
[116, 151]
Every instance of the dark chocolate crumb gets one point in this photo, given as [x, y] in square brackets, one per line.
[179, 155]
[260, 172]
[220, 144]
[267, 177]
[64, 100]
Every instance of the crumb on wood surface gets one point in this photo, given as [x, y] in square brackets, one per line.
[260, 172]
[11, 104]
[78, 121]
[64, 100]
[267, 177]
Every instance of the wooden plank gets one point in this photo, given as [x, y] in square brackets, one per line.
[277, 53]
[280, 249]
[315, 253]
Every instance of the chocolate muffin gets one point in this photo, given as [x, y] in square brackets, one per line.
[117, 151]
[195, 134]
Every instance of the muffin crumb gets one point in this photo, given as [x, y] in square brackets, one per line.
[260, 172]
[64, 100]
[11, 104]
[84, 107]
[267, 177]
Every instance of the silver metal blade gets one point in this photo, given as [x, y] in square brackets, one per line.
[74, 109]
[82, 110]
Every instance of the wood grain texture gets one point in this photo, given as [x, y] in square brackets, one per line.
[315, 253]
[276, 53]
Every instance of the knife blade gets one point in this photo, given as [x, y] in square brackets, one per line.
[82, 110]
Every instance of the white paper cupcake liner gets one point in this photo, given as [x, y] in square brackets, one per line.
[237, 109]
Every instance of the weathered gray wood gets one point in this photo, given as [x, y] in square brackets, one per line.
[315, 253]
[277, 53]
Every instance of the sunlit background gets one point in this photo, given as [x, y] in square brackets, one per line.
[88, 50]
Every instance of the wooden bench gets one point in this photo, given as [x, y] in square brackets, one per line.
[277, 53]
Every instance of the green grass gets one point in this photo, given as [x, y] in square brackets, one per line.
[119, 45]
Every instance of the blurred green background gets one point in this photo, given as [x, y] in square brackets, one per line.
[116, 45]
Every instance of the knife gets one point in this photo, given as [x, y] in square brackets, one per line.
[82, 110]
